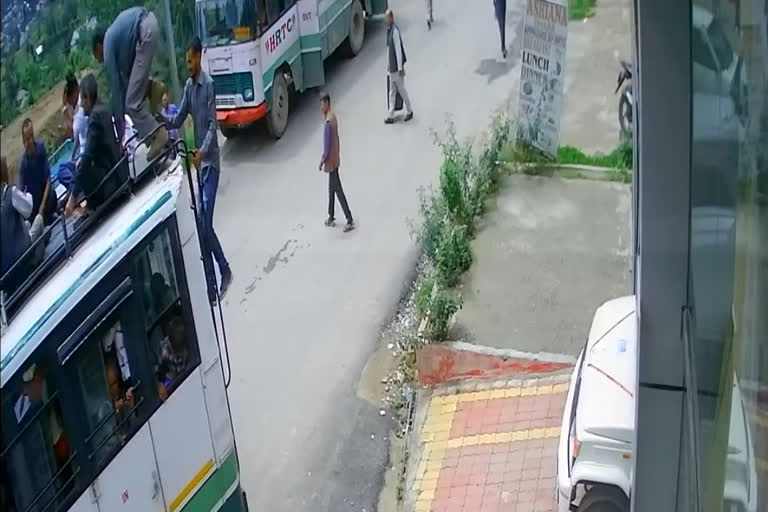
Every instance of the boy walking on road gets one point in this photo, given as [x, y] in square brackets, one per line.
[397, 60]
[127, 48]
[330, 162]
[199, 100]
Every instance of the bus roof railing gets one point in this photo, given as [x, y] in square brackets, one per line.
[63, 236]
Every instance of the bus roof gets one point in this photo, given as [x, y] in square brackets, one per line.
[104, 248]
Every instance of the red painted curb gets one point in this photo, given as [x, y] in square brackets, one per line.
[440, 363]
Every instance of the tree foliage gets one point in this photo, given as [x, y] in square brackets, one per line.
[21, 69]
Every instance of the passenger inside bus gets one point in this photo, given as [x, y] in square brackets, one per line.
[174, 355]
[42, 452]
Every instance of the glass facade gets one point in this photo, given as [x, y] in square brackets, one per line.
[702, 263]
[727, 335]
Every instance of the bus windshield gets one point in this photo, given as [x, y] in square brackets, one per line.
[222, 22]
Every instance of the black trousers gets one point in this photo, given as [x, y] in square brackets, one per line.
[335, 190]
[501, 17]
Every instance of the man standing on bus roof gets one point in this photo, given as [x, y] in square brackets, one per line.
[199, 100]
[330, 162]
[127, 48]
[396, 68]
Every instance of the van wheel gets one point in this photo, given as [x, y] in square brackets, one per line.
[604, 499]
[228, 131]
[277, 118]
[354, 42]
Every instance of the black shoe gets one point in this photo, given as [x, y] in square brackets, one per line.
[408, 117]
[212, 299]
[226, 280]
[429, 24]
[504, 53]
[330, 222]
[389, 120]
[349, 227]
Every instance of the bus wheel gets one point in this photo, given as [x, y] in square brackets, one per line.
[228, 131]
[277, 118]
[354, 42]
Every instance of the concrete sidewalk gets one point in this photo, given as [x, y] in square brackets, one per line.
[487, 447]
[548, 252]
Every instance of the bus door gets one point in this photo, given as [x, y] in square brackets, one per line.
[311, 43]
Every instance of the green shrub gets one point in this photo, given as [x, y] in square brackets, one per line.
[442, 308]
[423, 294]
[453, 189]
[454, 255]
[433, 215]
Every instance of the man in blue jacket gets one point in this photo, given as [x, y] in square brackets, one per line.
[127, 48]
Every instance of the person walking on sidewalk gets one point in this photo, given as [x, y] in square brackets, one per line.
[330, 162]
[397, 60]
[500, 7]
[430, 19]
[199, 100]
[127, 48]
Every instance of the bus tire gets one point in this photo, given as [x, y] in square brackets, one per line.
[228, 131]
[277, 118]
[604, 498]
[353, 44]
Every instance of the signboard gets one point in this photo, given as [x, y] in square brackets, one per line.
[542, 74]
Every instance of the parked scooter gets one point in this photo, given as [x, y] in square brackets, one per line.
[627, 99]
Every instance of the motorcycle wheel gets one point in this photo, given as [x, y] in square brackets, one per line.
[625, 115]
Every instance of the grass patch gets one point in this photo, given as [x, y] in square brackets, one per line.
[619, 158]
[580, 9]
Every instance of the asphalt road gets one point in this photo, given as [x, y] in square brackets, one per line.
[308, 302]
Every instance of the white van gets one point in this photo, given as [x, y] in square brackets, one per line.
[596, 453]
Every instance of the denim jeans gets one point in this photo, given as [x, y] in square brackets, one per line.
[211, 245]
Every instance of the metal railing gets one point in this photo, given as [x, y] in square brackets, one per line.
[40, 260]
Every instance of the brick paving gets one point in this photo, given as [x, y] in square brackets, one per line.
[491, 450]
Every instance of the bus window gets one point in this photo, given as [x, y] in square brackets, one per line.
[108, 391]
[171, 348]
[222, 22]
[275, 8]
[157, 277]
[38, 458]
[171, 345]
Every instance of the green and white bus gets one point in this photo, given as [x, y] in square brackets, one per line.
[112, 367]
[257, 50]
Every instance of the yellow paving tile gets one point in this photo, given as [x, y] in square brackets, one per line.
[485, 438]
[422, 505]
[561, 388]
[469, 441]
[454, 443]
[427, 495]
[441, 436]
[529, 391]
[439, 445]
[433, 465]
[536, 433]
[436, 454]
[545, 390]
[552, 432]
[512, 392]
[447, 408]
[497, 393]
[431, 474]
[502, 437]
[520, 435]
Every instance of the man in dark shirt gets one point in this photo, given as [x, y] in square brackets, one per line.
[14, 235]
[35, 175]
[100, 154]
[199, 101]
